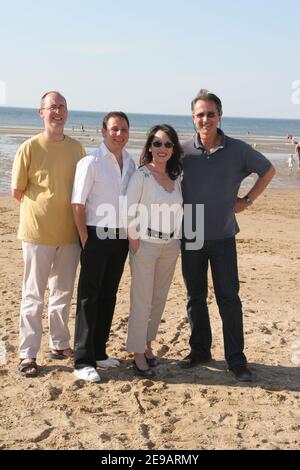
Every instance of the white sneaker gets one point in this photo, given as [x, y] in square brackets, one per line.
[109, 362]
[87, 373]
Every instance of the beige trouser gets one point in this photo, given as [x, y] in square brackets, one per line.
[56, 266]
[152, 270]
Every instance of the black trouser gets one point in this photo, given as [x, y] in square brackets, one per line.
[223, 262]
[102, 265]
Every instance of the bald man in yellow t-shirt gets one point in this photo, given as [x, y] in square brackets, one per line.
[42, 181]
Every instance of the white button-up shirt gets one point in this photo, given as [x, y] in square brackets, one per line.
[99, 185]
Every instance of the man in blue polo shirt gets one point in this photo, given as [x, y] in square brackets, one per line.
[214, 166]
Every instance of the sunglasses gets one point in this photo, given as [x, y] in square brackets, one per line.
[158, 143]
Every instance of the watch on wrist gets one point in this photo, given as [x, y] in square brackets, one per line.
[248, 200]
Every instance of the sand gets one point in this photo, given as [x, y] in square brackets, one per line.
[204, 408]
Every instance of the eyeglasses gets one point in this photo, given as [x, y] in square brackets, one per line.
[209, 115]
[158, 143]
[61, 108]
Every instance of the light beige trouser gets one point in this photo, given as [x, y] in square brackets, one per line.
[152, 270]
[56, 266]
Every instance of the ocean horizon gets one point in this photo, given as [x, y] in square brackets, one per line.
[266, 134]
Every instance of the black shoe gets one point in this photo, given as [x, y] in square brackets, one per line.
[152, 361]
[193, 359]
[241, 373]
[146, 373]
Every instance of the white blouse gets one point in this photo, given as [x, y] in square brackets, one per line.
[149, 205]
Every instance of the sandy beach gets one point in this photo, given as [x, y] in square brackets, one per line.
[204, 408]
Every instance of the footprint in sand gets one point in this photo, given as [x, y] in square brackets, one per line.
[148, 383]
[151, 445]
[145, 430]
[52, 393]
[105, 437]
[163, 350]
[265, 330]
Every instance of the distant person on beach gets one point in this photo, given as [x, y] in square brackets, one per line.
[100, 182]
[291, 163]
[214, 166]
[155, 187]
[82, 128]
[297, 152]
[42, 179]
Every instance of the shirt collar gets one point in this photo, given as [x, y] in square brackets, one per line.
[103, 150]
[198, 143]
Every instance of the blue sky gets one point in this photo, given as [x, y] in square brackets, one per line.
[152, 56]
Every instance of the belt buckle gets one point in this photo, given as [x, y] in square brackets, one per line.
[155, 234]
[159, 235]
[167, 236]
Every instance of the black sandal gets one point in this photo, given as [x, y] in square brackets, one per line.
[24, 368]
[152, 361]
[146, 373]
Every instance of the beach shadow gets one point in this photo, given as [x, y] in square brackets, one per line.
[268, 377]
[215, 373]
[46, 369]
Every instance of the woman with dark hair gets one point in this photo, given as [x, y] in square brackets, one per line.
[154, 208]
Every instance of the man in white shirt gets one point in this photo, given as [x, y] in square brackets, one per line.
[100, 180]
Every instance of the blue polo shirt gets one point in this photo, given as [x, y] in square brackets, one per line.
[214, 178]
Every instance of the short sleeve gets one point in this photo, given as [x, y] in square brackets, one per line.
[84, 180]
[21, 168]
[256, 162]
[135, 188]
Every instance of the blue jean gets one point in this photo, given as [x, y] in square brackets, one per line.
[221, 254]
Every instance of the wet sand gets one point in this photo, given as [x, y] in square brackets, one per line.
[265, 144]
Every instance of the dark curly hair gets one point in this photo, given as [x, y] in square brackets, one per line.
[174, 165]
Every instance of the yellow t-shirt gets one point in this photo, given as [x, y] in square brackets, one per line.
[45, 171]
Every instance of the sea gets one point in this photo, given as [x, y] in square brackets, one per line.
[86, 124]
